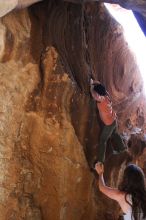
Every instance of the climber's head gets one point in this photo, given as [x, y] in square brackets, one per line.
[133, 183]
[100, 89]
[133, 180]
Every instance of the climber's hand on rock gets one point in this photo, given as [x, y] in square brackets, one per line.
[99, 167]
[91, 81]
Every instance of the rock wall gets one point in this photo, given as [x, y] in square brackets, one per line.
[49, 126]
[137, 6]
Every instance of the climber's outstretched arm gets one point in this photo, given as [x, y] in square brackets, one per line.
[112, 193]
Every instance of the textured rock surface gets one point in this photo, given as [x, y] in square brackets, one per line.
[137, 6]
[49, 128]
[7, 6]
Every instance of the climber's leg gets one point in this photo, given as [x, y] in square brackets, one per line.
[106, 133]
[119, 143]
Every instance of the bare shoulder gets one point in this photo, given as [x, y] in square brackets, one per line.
[121, 196]
[112, 193]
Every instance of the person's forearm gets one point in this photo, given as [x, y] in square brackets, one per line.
[101, 182]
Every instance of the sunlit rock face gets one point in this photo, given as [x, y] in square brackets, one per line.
[137, 6]
[7, 6]
[48, 122]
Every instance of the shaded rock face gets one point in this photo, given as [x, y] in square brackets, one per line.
[137, 6]
[48, 122]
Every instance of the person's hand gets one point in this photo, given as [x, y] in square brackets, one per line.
[96, 82]
[91, 86]
[99, 167]
[91, 81]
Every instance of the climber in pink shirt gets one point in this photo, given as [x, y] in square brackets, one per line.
[108, 117]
